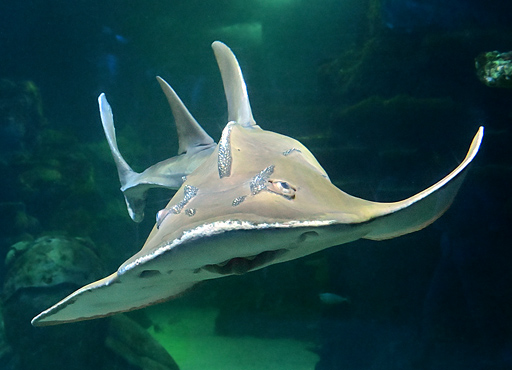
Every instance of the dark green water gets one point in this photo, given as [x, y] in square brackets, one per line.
[385, 94]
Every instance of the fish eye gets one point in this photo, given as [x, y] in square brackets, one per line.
[282, 188]
[284, 185]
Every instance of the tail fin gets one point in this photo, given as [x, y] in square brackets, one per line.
[135, 200]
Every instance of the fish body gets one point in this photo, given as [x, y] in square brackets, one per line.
[257, 198]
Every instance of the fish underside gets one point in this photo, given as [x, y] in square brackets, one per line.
[255, 199]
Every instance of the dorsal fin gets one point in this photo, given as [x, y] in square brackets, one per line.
[191, 135]
[239, 108]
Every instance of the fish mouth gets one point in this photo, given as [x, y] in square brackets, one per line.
[241, 265]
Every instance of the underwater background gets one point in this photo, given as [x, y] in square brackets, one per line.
[387, 94]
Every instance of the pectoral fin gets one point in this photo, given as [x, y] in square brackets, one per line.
[415, 213]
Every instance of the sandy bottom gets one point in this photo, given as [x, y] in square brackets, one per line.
[188, 335]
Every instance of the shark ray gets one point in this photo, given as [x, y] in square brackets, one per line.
[258, 199]
[195, 145]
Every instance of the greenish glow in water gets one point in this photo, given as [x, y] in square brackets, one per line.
[188, 334]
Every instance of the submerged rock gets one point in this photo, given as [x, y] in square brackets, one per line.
[50, 261]
[132, 342]
[21, 117]
[41, 272]
[5, 348]
[494, 69]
